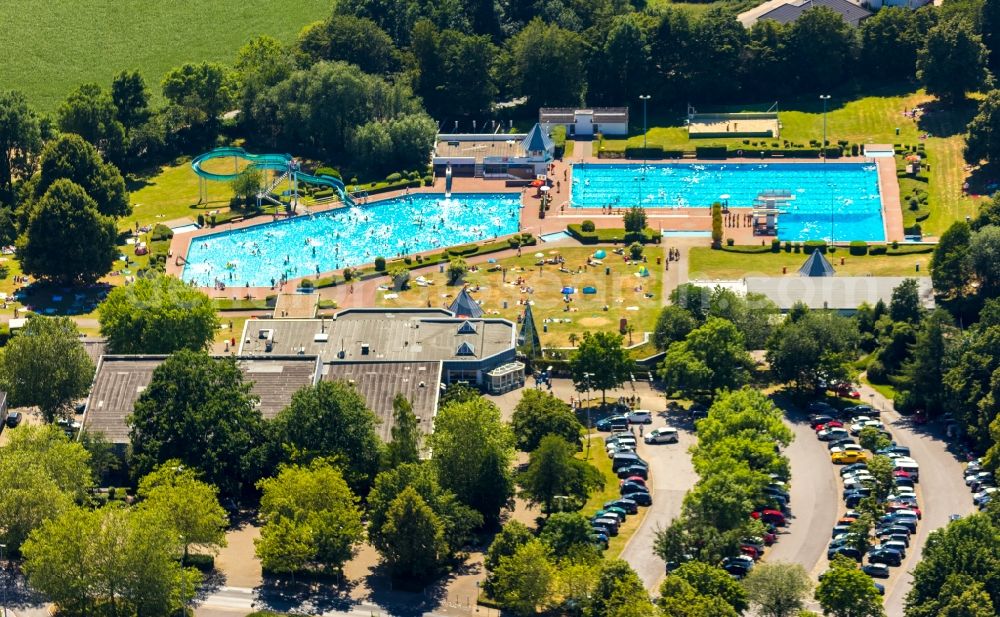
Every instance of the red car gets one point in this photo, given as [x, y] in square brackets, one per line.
[845, 390]
[899, 473]
[636, 479]
[770, 538]
[770, 516]
[892, 506]
[750, 551]
[830, 424]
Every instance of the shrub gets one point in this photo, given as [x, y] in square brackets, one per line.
[716, 225]
[306, 284]
[463, 249]
[877, 250]
[428, 180]
[788, 246]
[348, 274]
[201, 220]
[775, 245]
[796, 247]
[393, 177]
[328, 171]
[711, 152]
[380, 264]
[635, 250]
[407, 260]
[854, 149]
[730, 241]
[814, 245]
[587, 225]
[160, 232]
[895, 245]
[858, 247]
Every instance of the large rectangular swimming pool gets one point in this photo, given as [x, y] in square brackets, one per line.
[260, 255]
[832, 201]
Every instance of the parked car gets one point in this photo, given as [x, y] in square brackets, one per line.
[861, 410]
[845, 390]
[829, 424]
[832, 433]
[619, 449]
[13, 419]
[639, 416]
[840, 529]
[844, 458]
[885, 555]
[894, 448]
[625, 459]
[607, 513]
[894, 545]
[821, 407]
[857, 427]
[630, 488]
[977, 477]
[846, 551]
[633, 470]
[625, 504]
[634, 479]
[609, 525]
[662, 435]
[819, 419]
[983, 495]
[738, 566]
[642, 499]
[879, 587]
[847, 446]
[606, 423]
[617, 435]
[771, 516]
[599, 540]
[840, 442]
[876, 570]
[853, 468]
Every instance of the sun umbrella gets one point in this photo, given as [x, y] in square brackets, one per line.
[567, 290]
[539, 255]
[553, 252]
[545, 189]
[537, 183]
[913, 157]
[491, 260]
[600, 254]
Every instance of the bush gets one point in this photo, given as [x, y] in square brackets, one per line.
[877, 250]
[394, 177]
[348, 274]
[635, 250]
[747, 249]
[858, 247]
[380, 264]
[895, 244]
[306, 284]
[328, 171]
[876, 372]
[463, 249]
[201, 220]
[588, 225]
[711, 152]
[730, 241]
[854, 149]
[788, 246]
[775, 245]
[814, 245]
[160, 232]
[650, 152]
[428, 180]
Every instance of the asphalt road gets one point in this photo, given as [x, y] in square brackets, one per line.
[671, 475]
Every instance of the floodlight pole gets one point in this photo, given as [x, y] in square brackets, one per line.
[824, 98]
[644, 98]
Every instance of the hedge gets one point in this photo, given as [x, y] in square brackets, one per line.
[911, 249]
[614, 236]
[748, 248]
[858, 247]
[711, 152]
[650, 152]
[811, 246]
[160, 232]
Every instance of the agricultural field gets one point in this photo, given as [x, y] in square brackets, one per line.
[49, 47]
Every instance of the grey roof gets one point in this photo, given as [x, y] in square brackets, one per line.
[372, 335]
[120, 380]
[852, 13]
[537, 140]
[816, 265]
[834, 292]
[465, 306]
[380, 382]
[95, 347]
[567, 115]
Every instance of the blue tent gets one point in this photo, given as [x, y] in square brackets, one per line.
[589, 290]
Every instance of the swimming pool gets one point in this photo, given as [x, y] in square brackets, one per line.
[833, 201]
[336, 239]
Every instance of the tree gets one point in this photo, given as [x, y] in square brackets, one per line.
[819, 345]
[871, 439]
[568, 535]
[960, 596]
[846, 591]
[954, 556]
[42, 474]
[622, 64]
[46, 366]
[905, 304]
[69, 157]
[473, 451]
[949, 264]
[554, 471]
[923, 372]
[777, 589]
[716, 225]
[355, 40]
[199, 411]
[512, 536]
[991, 33]
[314, 506]
[414, 538]
[405, 444]
[712, 581]
[672, 325]
[524, 582]
[678, 598]
[157, 314]
[187, 506]
[373, 144]
[458, 520]
[634, 220]
[710, 358]
[456, 269]
[538, 53]
[819, 48]
[108, 561]
[538, 414]
[983, 139]
[953, 61]
[66, 238]
[413, 137]
[331, 420]
[600, 363]
[20, 140]
[692, 298]
[454, 75]
[90, 112]
[201, 91]
[247, 184]
[615, 577]
[131, 98]
[984, 243]
[890, 40]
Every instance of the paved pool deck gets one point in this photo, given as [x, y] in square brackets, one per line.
[560, 214]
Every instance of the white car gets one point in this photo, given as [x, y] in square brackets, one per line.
[640, 416]
[662, 435]
[847, 447]
[858, 426]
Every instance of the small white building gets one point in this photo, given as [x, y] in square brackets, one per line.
[611, 121]
[495, 155]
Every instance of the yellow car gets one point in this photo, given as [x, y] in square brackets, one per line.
[846, 458]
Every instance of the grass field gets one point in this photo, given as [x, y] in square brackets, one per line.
[872, 119]
[619, 292]
[172, 193]
[51, 46]
[709, 264]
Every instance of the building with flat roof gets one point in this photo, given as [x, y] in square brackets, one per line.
[586, 122]
[466, 348]
[787, 11]
[495, 155]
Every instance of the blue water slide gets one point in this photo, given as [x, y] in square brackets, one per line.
[272, 162]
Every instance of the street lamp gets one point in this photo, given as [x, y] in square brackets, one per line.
[586, 385]
[824, 98]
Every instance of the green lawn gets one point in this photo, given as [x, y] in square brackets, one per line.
[709, 264]
[172, 193]
[619, 292]
[872, 119]
[52, 46]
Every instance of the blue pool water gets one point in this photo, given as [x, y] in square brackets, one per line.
[335, 239]
[833, 201]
